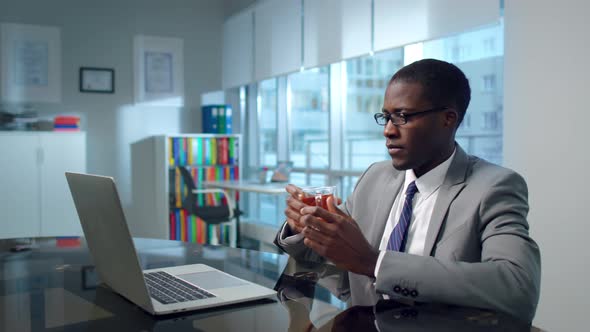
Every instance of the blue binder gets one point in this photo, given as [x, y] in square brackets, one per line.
[210, 113]
[228, 119]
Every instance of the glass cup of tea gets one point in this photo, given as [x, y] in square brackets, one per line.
[318, 196]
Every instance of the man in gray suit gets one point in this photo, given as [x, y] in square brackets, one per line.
[433, 225]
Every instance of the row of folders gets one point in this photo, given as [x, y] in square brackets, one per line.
[189, 228]
[179, 190]
[183, 151]
[217, 119]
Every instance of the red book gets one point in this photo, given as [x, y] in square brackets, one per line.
[66, 122]
[67, 242]
[172, 226]
[225, 151]
[73, 120]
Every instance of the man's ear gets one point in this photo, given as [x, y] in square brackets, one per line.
[451, 118]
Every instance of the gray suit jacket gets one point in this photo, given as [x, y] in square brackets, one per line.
[478, 251]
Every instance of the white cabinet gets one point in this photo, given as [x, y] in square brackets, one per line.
[34, 196]
[19, 186]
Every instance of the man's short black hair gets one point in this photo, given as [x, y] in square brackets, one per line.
[443, 83]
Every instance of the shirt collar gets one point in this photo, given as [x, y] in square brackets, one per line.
[432, 180]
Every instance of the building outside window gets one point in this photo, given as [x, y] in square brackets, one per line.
[489, 82]
[490, 120]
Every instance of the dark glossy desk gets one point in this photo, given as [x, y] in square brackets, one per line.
[51, 288]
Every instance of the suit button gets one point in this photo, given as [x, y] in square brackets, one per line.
[405, 292]
[397, 289]
[414, 293]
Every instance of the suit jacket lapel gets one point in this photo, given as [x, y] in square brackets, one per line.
[388, 193]
[452, 185]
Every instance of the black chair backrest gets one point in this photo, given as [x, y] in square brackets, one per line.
[209, 214]
[190, 202]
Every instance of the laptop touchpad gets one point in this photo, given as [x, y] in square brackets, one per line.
[211, 279]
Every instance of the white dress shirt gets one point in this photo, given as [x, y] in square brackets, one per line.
[422, 207]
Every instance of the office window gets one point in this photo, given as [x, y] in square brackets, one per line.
[489, 148]
[309, 179]
[489, 82]
[455, 53]
[466, 123]
[309, 118]
[267, 119]
[328, 112]
[489, 44]
[348, 183]
[363, 141]
[490, 120]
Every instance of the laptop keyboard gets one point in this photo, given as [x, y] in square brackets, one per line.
[166, 288]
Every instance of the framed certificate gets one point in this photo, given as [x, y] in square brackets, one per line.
[98, 80]
[158, 71]
[30, 63]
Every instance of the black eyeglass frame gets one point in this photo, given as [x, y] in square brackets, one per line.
[399, 118]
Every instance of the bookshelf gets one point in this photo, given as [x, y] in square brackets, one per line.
[158, 189]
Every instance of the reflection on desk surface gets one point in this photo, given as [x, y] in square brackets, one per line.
[273, 188]
[53, 288]
[303, 284]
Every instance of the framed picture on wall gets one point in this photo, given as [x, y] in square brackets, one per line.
[97, 80]
[158, 71]
[30, 66]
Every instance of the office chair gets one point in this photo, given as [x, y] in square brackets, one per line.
[209, 214]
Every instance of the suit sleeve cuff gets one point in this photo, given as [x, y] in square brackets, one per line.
[378, 264]
[286, 237]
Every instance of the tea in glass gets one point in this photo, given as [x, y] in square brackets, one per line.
[318, 196]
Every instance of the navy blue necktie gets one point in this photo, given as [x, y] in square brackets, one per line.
[397, 239]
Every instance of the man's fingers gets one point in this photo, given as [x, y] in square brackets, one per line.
[315, 246]
[319, 212]
[332, 207]
[316, 236]
[318, 223]
[295, 226]
[292, 213]
[293, 190]
[295, 203]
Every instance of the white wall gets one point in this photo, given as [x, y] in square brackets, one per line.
[547, 114]
[100, 34]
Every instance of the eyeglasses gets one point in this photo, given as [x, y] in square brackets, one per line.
[399, 118]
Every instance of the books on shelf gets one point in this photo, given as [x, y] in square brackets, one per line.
[66, 123]
[217, 119]
[191, 151]
[207, 158]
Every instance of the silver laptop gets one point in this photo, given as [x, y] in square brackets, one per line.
[157, 291]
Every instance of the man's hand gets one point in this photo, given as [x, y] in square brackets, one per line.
[337, 237]
[294, 206]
